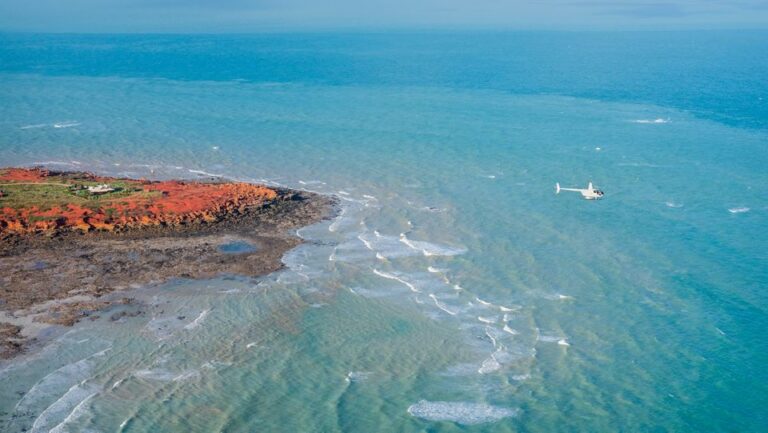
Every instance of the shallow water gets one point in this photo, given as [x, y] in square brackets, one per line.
[455, 291]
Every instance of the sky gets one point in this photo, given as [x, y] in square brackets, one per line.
[117, 16]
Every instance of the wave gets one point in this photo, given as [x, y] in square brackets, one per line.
[436, 270]
[554, 339]
[489, 365]
[430, 249]
[65, 409]
[673, 204]
[76, 414]
[396, 278]
[159, 374]
[69, 124]
[657, 121]
[68, 164]
[742, 209]
[440, 305]
[358, 376]
[486, 303]
[204, 173]
[488, 320]
[460, 412]
[57, 381]
[509, 330]
[198, 320]
[640, 164]
[35, 126]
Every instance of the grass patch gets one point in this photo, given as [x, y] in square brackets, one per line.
[58, 191]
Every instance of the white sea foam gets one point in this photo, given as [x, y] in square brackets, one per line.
[204, 173]
[486, 303]
[358, 376]
[656, 121]
[77, 413]
[156, 374]
[35, 126]
[335, 224]
[229, 291]
[673, 204]
[489, 332]
[487, 319]
[63, 408]
[457, 287]
[198, 320]
[508, 309]
[509, 330]
[738, 209]
[435, 270]
[68, 124]
[189, 374]
[365, 242]
[460, 412]
[489, 365]
[430, 249]
[249, 345]
[58, 380]
[440, 305]
[396, 278]
[553, 339]
[69, 164]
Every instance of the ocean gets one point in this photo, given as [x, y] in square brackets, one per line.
[454, 290]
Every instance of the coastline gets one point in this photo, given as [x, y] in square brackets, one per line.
[63, 276]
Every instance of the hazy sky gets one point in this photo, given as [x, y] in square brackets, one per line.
[271, 15]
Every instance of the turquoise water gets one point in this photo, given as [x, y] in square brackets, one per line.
[455, 291]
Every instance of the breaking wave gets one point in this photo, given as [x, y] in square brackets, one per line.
[460, 412]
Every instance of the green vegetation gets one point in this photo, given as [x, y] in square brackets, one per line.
[58, 191]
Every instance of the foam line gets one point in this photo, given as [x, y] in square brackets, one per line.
[440, 305]
[509, 330]
[396, 278]
[198, 320]
[486, 303]
[204, 173]
[76, 413]
[465, 413]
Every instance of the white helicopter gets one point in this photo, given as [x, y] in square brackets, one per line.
[589, 193]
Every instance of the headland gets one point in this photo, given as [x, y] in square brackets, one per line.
[71, 241]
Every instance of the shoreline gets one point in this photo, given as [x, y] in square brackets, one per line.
[61, 277]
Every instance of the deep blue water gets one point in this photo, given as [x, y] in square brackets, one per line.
[455, 291]
[716, 74]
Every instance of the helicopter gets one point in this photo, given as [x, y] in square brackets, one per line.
[589, 193]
